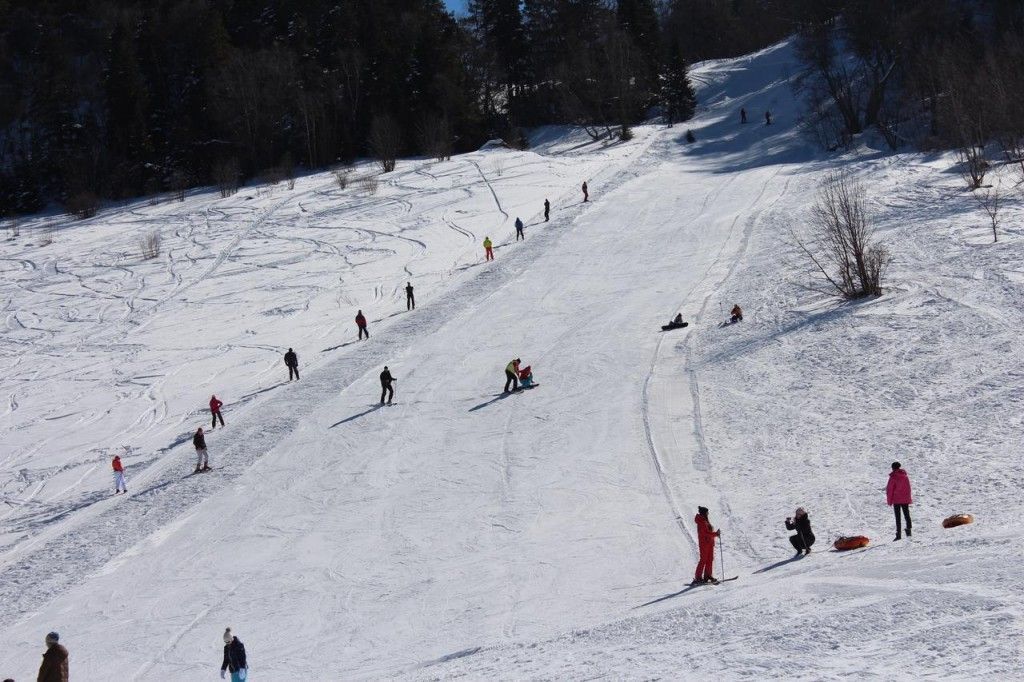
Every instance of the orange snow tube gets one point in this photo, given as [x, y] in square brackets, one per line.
[852, 542]
[957, 520]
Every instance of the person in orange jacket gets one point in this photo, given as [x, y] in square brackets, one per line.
[119, 485]
[706, 535]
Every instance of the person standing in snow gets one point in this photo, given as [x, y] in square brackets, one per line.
[199, 443]
[736, 314]
[55, 661]
[512, 375]
[291, 361]
[119, 485]
[215, 406]
[385, 385]
[234, 658]
[361, 323]
[410, 300]
[898, 496]
[547, 210]
[743, 115]
[488, 249]
[519, 229]
[586, 194]
[706, 535]
[767, 118]
[804, 537]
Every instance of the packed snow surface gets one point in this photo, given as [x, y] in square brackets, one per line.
[546, 534]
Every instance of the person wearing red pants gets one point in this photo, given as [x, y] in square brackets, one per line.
[706, 535]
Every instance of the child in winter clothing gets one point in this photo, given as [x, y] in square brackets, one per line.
[898, 496]
[119, 485]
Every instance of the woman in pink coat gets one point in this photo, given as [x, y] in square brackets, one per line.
[897, 496]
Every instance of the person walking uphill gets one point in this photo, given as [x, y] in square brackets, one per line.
[55, 661]
[706, 535]
[488, 249]
[519, 229]
[898, 496]
[215, 406]
[291, 361]
[119, 485]
[410, 300]
[804, 538]
[512, 375]
[234, 658]
[361, 323]
[385, 385]
[199, 443]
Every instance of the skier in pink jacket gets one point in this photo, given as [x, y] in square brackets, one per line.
[897, 496]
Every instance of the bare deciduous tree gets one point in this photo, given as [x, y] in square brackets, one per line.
[226, 174]
[83, 205]
[991, 201]
[841, 244]
[385, 141]
[149, 245]
[435, 137]
[341, 177]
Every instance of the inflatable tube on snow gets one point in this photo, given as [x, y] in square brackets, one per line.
[852, 542]
[957, 520]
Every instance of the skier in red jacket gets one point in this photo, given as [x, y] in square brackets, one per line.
[215, 406]
[706, 535]
[361, 323]
[897, 496]
[119, 485]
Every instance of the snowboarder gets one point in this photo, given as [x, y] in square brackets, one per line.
[706, 535]
[519, 229]
[410, 300]
[361, 323]
[215, 406]
[488, 249]
[743, 115]
[119, 485]
[234, 658]
[55, 661]
[767, 118]
[385, 385]
[586, 194]
[736, 314]
[897, 496]
[202, 460]
[291, 361]
[804, 537]
[678, 319]
[547, 210]
[512, 375]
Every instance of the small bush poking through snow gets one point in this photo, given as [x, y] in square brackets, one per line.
[83, 205]
[368, 184]
[149, 245]
[341, 177]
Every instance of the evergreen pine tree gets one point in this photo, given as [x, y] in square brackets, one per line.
[677, 94]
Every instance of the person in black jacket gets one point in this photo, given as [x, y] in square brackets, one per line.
[410, 299]
[547, 210]
[202, 459]
[385, 385]
[234, 658]
[291, 361]
[804, 537]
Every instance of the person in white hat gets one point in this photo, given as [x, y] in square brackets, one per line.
[234, 658]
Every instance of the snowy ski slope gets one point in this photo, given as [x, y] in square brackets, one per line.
[462, 533]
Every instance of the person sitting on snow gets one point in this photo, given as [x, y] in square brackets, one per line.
[678, 319]
[525, 377]
[736, 313]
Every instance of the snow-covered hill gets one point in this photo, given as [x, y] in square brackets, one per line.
[462, 533]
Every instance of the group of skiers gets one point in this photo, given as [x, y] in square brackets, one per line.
[767, 116]
[56, 668]
[519, 225]
[898, 495]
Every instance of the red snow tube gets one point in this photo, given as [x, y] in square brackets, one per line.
[852, 542]
[957, 520]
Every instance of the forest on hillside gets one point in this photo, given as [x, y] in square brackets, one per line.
[112, 100]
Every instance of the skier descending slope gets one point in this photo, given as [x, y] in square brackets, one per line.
[291, 361]
[119, 485]
[385, 385]
[234, 658]
[706, 535]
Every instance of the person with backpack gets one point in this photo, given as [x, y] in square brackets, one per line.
[898, 496]
[199, 443]
[386, 381]
[54, 667]
[119, 484]
[512, 375]
[706, 535]
[547, 210]
[361, 323]
[410, 300]
[488, 249]
[291, 361]
[234, 658]
[519, 229]
[804, 537]
[215, 406]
